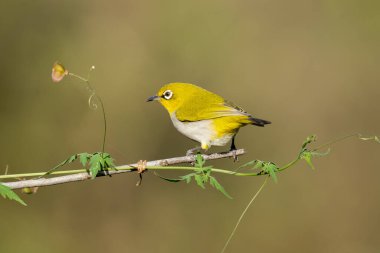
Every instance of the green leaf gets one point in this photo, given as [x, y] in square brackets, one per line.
[71, 158]
[271, 169]
[102, 162]
[109, 162]
[204, 177]
[187, 177]
[95, 165]
[259, 164]
[219, 187]
[248, 164]
[254, 164]
[7, 192]
[266, 167]
[199, 161]
[94, 159]
[207, 170]
[83, 158]
[198, 178]
[307, 155]
[106, 155]
[94, 169]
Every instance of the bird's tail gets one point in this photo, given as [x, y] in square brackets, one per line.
[259, 122]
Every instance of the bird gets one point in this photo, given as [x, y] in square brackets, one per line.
[204, 116]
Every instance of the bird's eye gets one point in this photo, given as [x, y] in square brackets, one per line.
[167, 94]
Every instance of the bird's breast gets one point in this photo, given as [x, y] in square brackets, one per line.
[201, 131]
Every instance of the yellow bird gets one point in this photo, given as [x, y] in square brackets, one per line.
[204, 116]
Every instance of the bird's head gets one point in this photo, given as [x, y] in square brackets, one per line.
[174, 95]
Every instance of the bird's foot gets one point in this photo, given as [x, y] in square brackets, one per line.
[193, 151]
[234, 155]
[233, 149]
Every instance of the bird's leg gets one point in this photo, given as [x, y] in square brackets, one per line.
[193, 150]
[233, 149]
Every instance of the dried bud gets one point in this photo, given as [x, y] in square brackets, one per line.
[58, 72]
[29, 190]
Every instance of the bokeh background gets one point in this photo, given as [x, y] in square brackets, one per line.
[311, 67]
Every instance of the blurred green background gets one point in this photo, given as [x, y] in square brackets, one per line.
[308, 66]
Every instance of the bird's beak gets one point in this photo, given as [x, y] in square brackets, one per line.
[152, 98]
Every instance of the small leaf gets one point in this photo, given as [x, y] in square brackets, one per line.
[254, 164]
[187, 177]
[102, 162]
[218, 186]
[207, 170]
[248, 164]
[199, 180]
[95, 165]
[109, 162]
[71, 158]
[6, 192]
[94, 169]
[259, 164]
[106, 155]
[199, 161]
[307, 155]
[204, 177]
[94, 159]
[83, 158]
[271, 169]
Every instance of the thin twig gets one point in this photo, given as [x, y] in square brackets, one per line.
[242, 215]
[92, 90]
[117, 170]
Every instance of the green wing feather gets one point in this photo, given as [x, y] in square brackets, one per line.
[213, 106]
[210, 108]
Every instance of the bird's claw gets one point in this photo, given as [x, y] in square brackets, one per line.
[192, 151]
[234, 155]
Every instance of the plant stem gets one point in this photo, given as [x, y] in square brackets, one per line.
[242, 215]
[92, 90]
[336, 140]
[105, 124]
[36, 174]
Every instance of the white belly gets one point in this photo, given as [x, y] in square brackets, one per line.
[202, 131]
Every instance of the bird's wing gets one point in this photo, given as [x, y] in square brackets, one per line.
[217, 109]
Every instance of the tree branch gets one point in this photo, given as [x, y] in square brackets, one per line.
[81, 175]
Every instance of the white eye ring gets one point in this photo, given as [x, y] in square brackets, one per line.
[167, 94]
